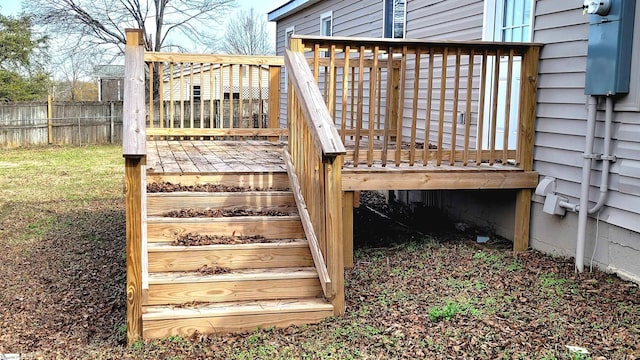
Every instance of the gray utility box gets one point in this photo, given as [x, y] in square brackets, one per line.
[610, 49]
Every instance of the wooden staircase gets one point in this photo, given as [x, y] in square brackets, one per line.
[263, 284]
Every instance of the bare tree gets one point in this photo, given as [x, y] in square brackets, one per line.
[247, 34]
[74, 62]
[104, 21]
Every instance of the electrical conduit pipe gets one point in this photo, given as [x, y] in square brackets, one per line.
[588, 156]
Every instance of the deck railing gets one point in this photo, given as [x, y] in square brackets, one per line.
[213, 95]
[424, 102]
[314, 160]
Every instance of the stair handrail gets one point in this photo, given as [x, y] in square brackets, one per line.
[315, 156]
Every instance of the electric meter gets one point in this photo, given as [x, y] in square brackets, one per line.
[596, 7]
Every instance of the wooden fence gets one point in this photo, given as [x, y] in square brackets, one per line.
[60, 123]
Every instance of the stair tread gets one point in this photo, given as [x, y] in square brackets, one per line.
[198, 310]
[233, 275]
[220, 193]
[167, 247]
[229, 219]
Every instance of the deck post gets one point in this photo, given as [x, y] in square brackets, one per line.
[333, 229]
[274, 99]
[527, 113]
[347, 228]
[134, 152]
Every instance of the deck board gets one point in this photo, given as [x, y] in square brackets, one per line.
[165, 157]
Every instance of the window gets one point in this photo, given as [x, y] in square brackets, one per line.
[508, 20]
[326, 24]
[196, 92]
[395, 18]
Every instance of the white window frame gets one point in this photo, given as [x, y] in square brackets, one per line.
[323, 19]
[384, 20]
[492, 31]
[493, 10]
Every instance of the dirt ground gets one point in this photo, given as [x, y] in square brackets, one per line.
[417, 290]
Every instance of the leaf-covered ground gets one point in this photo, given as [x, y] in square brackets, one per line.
[416, 291]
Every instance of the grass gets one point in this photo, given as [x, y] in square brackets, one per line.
[61, 173]
[431, 298]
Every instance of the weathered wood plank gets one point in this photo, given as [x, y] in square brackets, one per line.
[275, 254]
[307, 225]
[133, 115]
[312, 105]
[133, 199]
[213, 59]
[160, 229]
[438, 180]
[163, 321]
[248, 132]
[159, 203]
[238, 285]
[347, 227]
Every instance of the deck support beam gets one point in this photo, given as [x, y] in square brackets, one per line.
[347, 228]
[523, 217]
[133, 198]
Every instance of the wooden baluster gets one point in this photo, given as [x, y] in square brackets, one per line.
[221, 103]
[211, 92]
[331, 90]
[231, 125]
[201, 97]
[372, 104]
[414, 115]
[507, 110]
[379, 103]
[467, 117]
[427, 121]
[161, 94]
[182, 95]
[360, 105]
[481, 110]
[345, 91]
[241, 98]
[388, 114]
[172, 110]
[494, 108]
[260, 101]
[353, 99]
[400, 121]
[259, 125]
[443, 94]
[454, 115]
[191, 100]
[151, 88]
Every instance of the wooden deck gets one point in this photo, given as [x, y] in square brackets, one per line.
[254, 156]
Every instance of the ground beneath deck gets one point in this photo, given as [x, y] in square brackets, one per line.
[432, 293]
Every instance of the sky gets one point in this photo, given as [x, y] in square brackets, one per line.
[13, 7]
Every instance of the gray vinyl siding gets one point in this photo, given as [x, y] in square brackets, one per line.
[350, 18]
[426, 19]
[561, 117]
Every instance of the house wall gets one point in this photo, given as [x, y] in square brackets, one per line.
[560, 126]
[350, 18]
[559, 141]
